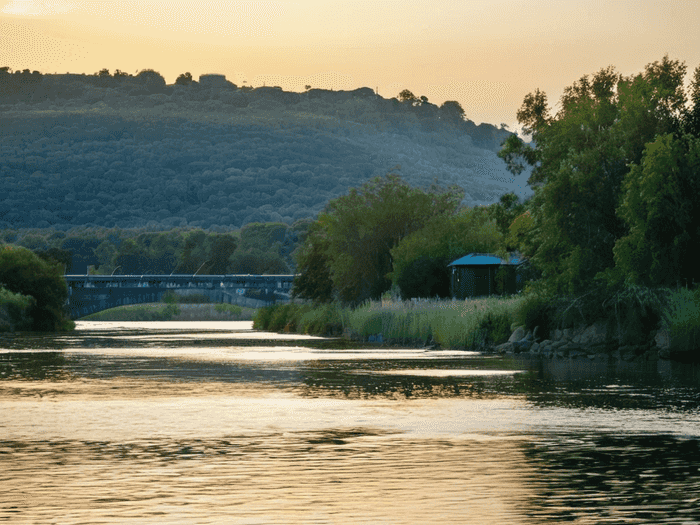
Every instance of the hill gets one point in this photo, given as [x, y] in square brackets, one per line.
[100, 150]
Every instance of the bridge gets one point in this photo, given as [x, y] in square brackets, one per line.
[88, 294]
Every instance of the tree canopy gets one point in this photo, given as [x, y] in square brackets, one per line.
[23, 272]
[353, 237]
[582, 158]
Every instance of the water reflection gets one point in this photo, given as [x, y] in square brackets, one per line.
[212, 424]
[616, 479]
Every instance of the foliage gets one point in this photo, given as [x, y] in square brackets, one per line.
[198, 157]
[662, 213]
[147, 312]
[581, 157]
[443, 239]
[230, 309]
[356, 233]
[23, 272]
[15, 311]
[425, 277]
[313, 262]
[681, 317]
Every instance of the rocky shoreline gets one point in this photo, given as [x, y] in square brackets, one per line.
[594, 341]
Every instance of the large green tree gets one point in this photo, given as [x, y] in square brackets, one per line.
[580, 158]
[356, 232]
[661, 207]
[23, 272]
[420, 259]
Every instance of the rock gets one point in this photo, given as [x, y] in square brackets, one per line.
[505, 348]
[593, 335]
[521, 346]
[662, 339]
[535, 348]
[517, 335]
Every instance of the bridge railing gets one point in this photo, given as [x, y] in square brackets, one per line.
[282, 282]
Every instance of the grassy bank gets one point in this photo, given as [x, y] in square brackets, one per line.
[174, 312]
[666, 321]
[451, 324]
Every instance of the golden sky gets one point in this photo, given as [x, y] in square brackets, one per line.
[486, 54]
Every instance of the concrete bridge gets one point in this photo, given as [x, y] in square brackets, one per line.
[88, 294]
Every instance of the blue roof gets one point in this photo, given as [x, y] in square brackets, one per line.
[484, 259]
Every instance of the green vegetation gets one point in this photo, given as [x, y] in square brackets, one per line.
[353, 238]
[136, 312]
[41, 288]
[172, 312]
[130, 150]
[471, 324]
[254, 249]
[15, 311]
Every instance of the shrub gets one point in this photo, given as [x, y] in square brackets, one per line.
[681, 317]
[15, 311]
[228, 308]
[536, 309]
[324, 320]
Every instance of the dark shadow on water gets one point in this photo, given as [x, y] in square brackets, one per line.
[615, 479]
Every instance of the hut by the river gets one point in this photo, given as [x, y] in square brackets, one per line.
[480, 274]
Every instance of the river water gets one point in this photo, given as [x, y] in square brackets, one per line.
[215, 423]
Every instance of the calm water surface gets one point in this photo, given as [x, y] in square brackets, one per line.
[214, 423]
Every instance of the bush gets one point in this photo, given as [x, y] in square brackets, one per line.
[15, 311]
[23, 272]
[681, 317]
[495, 327]
[536, 309]
[231, 309]
[324, 320]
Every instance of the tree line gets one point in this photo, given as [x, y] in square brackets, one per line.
[615, 173]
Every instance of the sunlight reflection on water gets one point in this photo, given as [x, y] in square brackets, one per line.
[180, 423]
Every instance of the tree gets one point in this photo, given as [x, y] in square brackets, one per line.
[407, 96]
[23, 272]
[580, 158]
[452, 111]
[356, 233]
[314, 280]
[185, 79]
[661, 209]
[221, 247]
[504, 213]
[153, 80]
[104, 73]
[443, 239]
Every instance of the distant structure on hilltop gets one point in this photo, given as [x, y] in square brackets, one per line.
[212, 80]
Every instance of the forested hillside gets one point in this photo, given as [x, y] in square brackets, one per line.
[117, 150]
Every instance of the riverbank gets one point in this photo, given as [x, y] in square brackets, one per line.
[632, 325]
[174, 312]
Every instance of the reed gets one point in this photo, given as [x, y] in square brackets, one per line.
[471, 323]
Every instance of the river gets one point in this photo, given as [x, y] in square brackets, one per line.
[199, 422]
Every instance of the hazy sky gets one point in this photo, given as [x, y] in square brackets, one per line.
[486, 54]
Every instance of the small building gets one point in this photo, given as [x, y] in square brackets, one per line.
[479, 274]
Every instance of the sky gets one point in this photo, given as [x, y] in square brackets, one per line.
[485, 54]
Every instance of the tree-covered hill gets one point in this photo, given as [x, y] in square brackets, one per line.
[117, 150]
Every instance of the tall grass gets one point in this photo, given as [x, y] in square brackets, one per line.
[473, 323]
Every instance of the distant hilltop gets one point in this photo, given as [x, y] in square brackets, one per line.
[114, 149]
